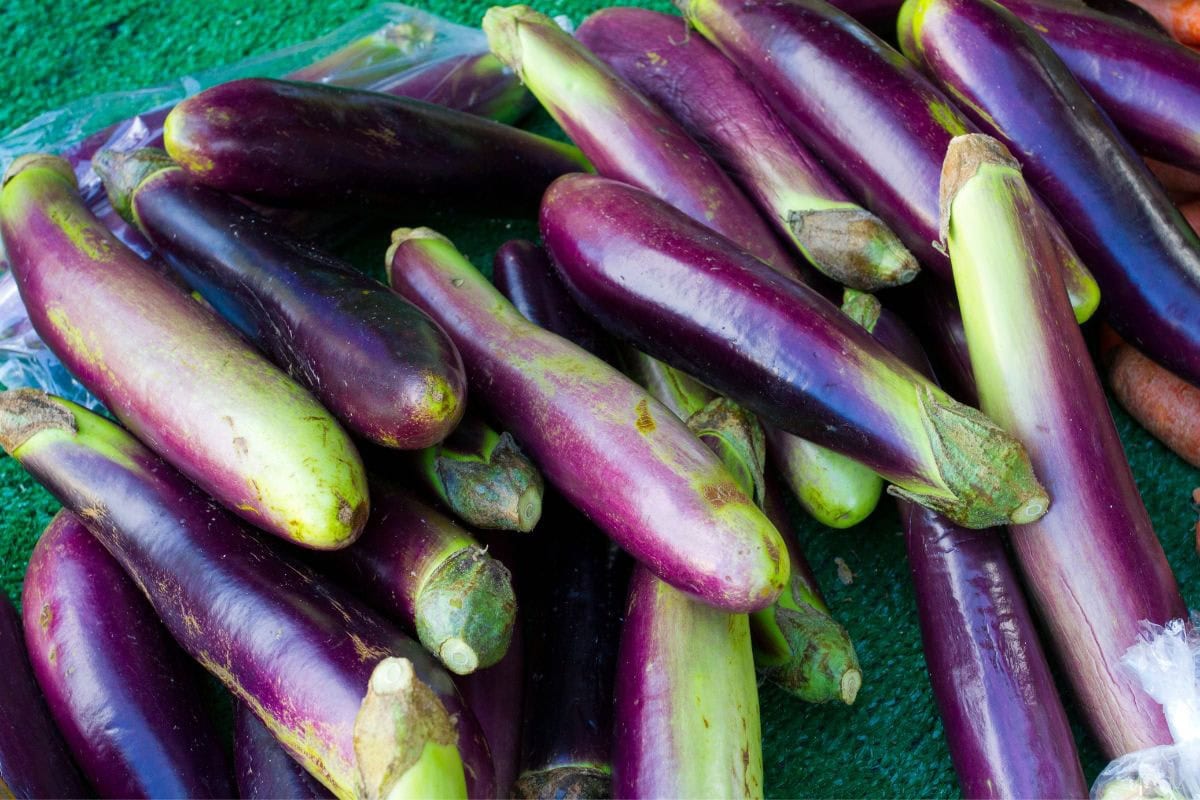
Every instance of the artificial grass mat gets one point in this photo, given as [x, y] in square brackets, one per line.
[890, 743]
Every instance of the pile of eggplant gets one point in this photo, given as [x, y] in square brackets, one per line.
[779, 256]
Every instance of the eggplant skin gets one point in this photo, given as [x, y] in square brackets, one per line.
[298, 144]
[173, 372]
[296, 650]
[264, 769]
[34, 761]
[123, 694]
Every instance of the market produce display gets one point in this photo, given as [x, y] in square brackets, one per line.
[503, 409]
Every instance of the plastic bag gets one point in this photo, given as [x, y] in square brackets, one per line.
[1165, 661]
[392, 47]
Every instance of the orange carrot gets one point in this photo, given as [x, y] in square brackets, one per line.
[1182, 185]
[1181, 18]
[1191, 212]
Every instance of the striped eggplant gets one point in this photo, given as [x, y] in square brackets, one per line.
[1034, 375]
[122, 692]
[177, 376]
[1144, 254]
[304, 144]
[34, 761]
[684, 294]
[294, 649]
[703, 91]
[264, 769]
[611, 449]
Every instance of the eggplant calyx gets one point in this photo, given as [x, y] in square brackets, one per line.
[862, 307]
[25, 413]
[503, 29]
[123, 172]
[736, 436]
[574, 782]
[854, 247]
[965, 156]
[42, 160]
[823, 666]
[465, 611]
[503, 492]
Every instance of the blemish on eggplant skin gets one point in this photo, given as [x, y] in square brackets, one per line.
[46, 617]
[722, 494]
[645, 422]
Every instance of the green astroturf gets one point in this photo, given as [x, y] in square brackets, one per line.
[890, 743]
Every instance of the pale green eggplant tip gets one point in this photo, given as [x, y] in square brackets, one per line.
[24, 413]
[823, 666]
[501, 25]
[466, 610]
[123, 172]
[854, 247]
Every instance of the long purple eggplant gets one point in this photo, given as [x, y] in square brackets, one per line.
[376, 361]
[1035, 377]
[862, 108]
[1148, 83]
[34, 762]
[168, 368]
[686, 718]
[297, 651]
[1005, 724]
[418, 567]
[624, 135]
[612, 450]
[684, 294]
[265, 771]
[124, 695]
[304, 144]
[703, 91]
[1143, 252]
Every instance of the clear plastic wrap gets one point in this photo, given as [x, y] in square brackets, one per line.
[1165, 661]
[391, 48]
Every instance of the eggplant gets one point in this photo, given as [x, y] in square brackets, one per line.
[416, 566]
[181, 379]
[642, 269]
[297, 651]
[572, 599]
[690, 80]
[384, 368]
[264, 769]
[124, 696]
[1144, 254]
[616, 453]
[34, 761]
[686, 716]
[622, 133]
[482, 476]
[1094, 591]
[1129, 12]
[303, 144]
[862, 108]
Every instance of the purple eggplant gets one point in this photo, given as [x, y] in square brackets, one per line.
[612, 450]
[305, 144]
[686, 717]
[481, 475]
[1144, 254]
[1148, 83]
[376, 361]
[624, 135]
[418, 567]
[1034, 375]
[861, 107]
[264, 769]
[181, 379]
[642, 268]
[124, 695]
[690, 80]
[34, 762]
[297, 651]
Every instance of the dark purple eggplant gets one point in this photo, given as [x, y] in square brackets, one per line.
[689, 79]
[420, 568]
[123, 694]
[34, 762]
[1144, 254]
[297, 651]
[682, 293]
[305, 144]
[1093, 592]
[375, 360]
[265, 771]
[862, 108]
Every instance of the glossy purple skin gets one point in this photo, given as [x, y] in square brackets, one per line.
[642, 268]
[475, 83]
[301, 144]
[1143, 253]
[523, 273]
[264, 769]
[376, 361]
[34, 762]
[123, 694]
[879, 15]
[932, 311]
[297, 650]
[1148, 84]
